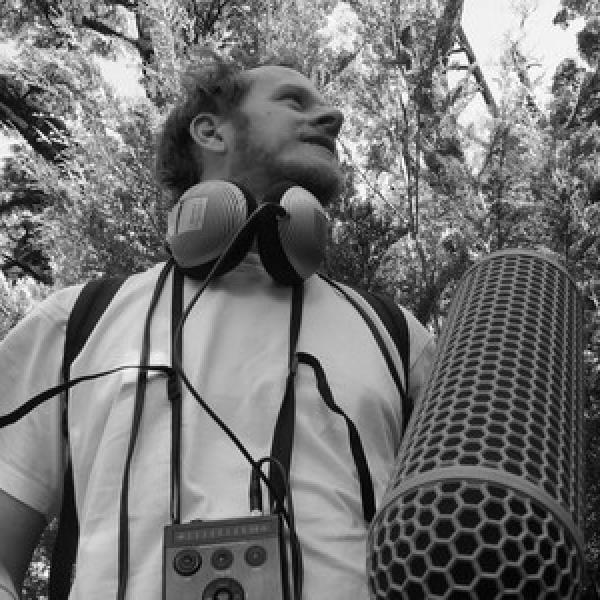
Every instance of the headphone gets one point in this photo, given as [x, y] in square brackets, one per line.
[215, 218]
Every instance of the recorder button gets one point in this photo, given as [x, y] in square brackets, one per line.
[221, 559]
[255, 556]
[187, 562]
[224, 589]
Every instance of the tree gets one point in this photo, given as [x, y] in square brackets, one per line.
[575, 121]
[79, 199]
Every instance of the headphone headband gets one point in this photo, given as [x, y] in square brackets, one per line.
[211, 214]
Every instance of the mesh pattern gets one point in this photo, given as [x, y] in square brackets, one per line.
[457, 540]
[504, 393]
[504, 398]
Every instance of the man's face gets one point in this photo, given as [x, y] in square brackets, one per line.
[286, 131]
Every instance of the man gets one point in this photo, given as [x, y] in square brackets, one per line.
[255, 128]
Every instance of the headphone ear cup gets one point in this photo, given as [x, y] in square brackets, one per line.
[292, 246]
[202, 224]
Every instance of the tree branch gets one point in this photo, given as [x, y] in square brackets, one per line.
[212, 15]
[28, 198]
[15, 262]
[8, 116]
[448, 24]
[446, 28]
[497, 135]
[41, 131]
[477, 72]
[584, 245]
[48, 10]
[130, 5]
[405, 228]
[142, 46]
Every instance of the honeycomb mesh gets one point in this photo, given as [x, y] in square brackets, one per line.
[463, 540]
[504, 398]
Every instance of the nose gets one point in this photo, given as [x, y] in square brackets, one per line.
[329, 120]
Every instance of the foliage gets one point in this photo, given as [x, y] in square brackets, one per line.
[16, 299]
[362, 234]
[425, 195]
[571, 9]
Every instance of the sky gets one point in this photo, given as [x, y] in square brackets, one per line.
[487, 22]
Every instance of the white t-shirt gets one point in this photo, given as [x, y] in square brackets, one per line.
[235, 354]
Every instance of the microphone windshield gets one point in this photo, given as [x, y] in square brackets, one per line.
[486, 499]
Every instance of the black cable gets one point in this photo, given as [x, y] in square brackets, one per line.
[295, 547]
[177, 358]
[143, 367]
[283, 436]
[31, 404]
[211, 413]
[255, 499]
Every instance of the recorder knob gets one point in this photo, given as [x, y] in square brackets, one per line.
[224, 589]
[187, 562]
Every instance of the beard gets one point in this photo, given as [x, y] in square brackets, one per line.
[323, 181]
[322, 176]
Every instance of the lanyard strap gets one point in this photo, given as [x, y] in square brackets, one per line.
[140, 394]
[358, 454]
[174, 394]
[283, 436]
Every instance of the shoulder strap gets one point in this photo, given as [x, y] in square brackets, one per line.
[91, 303]
[393, 319]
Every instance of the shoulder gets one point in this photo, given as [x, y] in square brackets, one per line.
[422, 355]
[59, 304]
[422, 341]
[52, 314]
[49, 316]
[138, 287]
[420, 337]
[115, 293]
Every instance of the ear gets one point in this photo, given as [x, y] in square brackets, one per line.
[206, 131]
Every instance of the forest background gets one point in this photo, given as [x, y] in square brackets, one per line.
[425, 194]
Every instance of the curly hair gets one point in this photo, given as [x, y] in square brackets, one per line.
[210, 84]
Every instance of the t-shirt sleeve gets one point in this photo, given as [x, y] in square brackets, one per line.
[422, 353]
[31, 450]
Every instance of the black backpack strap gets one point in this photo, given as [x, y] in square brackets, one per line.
[91, 303]
[367, 492]
[393, 319]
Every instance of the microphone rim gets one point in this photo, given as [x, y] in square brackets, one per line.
[528, 252]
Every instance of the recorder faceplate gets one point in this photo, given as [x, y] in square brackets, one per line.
[229, 559]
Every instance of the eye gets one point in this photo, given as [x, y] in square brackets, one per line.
[294, 100]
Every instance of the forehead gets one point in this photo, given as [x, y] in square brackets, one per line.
[268, 80]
